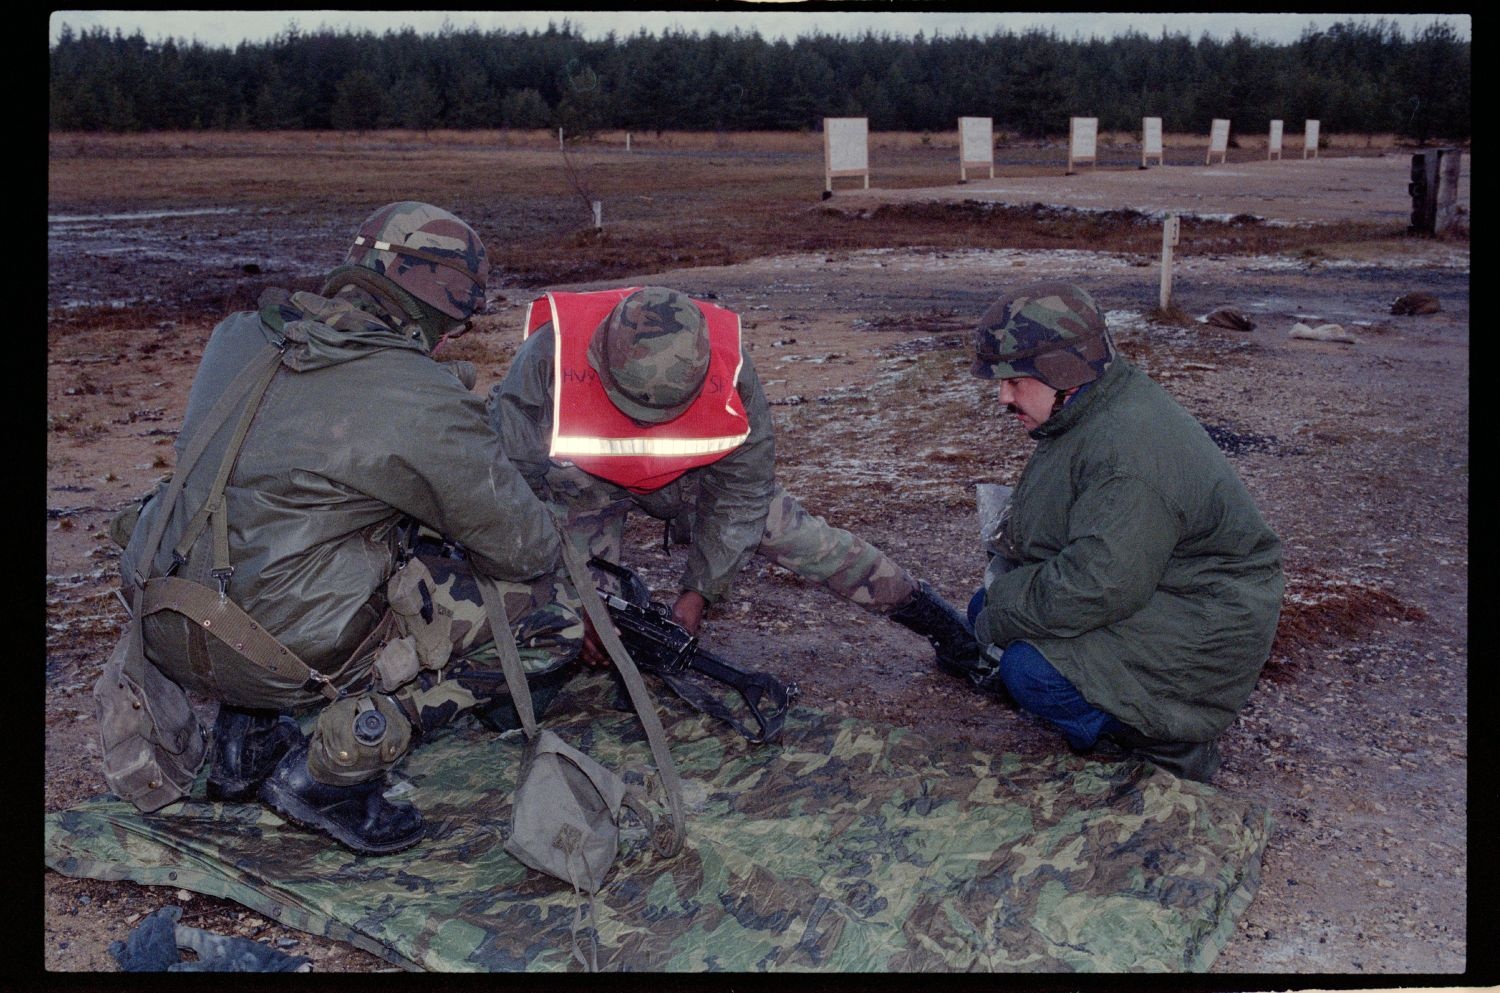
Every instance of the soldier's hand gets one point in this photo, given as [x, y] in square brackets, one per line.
[594, 653]
[688, 610]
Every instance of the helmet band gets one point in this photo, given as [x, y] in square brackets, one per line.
[442, 260]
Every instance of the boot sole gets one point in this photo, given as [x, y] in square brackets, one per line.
[299, 813]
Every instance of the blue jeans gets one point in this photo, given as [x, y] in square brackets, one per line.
[1040, 689]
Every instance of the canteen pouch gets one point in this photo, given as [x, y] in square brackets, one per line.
[152, 741]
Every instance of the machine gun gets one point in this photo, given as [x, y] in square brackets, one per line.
[660, 645]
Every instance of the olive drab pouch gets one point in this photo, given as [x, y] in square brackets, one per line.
[122, 525]
[153, 742]
[565, 821]
[396, 664]
[566, 818]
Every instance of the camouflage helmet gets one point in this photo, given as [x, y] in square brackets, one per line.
[651, 354]
[1052, 332]
[426, 251]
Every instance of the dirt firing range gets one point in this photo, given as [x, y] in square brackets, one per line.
[1356, 739]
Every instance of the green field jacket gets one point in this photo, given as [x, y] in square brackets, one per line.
[728, 500]
[1148, 577]
[358, 427]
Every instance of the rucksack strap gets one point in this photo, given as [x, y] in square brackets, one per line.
[214, 505]
[213, 611]
[252, 380]
[645, 707]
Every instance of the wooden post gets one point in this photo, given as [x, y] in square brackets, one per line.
[559, 139]
[627, 141]
[1170, 229]
[598, 206]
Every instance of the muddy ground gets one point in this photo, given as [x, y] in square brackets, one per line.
[856, 312]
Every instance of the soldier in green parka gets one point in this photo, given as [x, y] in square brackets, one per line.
[1137, 587]
[298, 513]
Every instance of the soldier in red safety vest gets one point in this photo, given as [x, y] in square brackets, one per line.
[643, 399]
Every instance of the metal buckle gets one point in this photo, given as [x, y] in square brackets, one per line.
[222, 575]
[316, 682]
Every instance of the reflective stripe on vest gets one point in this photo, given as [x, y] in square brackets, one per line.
[589, 431]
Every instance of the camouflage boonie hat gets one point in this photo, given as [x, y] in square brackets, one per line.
[1052, 332]
[651, 354]
[428, 252]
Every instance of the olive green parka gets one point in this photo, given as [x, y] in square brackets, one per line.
[1147, 576]
[358, 428]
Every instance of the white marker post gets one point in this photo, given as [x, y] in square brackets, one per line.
[1273, 144]
[559, 139]
[1218, 141]
[1310, 139]
[1083, 139]
[976, 146]
[1170, 229]
[598, 206]
[846, 149]
[1151, 141]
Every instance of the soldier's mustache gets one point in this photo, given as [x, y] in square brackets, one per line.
[1011, 408]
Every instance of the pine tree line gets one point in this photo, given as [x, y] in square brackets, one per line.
[1361, 77]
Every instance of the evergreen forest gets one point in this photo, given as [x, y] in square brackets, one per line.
[1356, 76]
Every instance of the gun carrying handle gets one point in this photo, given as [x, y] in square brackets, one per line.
[631, 588]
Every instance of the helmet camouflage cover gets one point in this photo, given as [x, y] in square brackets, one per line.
[428, 252]
[1052, 332]
[652, 354]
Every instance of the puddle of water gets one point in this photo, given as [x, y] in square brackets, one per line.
[144, 215]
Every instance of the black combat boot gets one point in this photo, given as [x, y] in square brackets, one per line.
[1195, 760]
[499, 713]
[247, 746]
[934, 618]
[357, 816]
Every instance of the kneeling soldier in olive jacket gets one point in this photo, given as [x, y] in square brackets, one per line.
[272, 574]
[1141, 587]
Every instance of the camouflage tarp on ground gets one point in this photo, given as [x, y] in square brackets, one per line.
[849, 847]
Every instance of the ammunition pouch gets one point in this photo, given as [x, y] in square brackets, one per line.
[427, 623]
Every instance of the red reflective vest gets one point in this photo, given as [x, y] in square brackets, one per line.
[591, 432]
